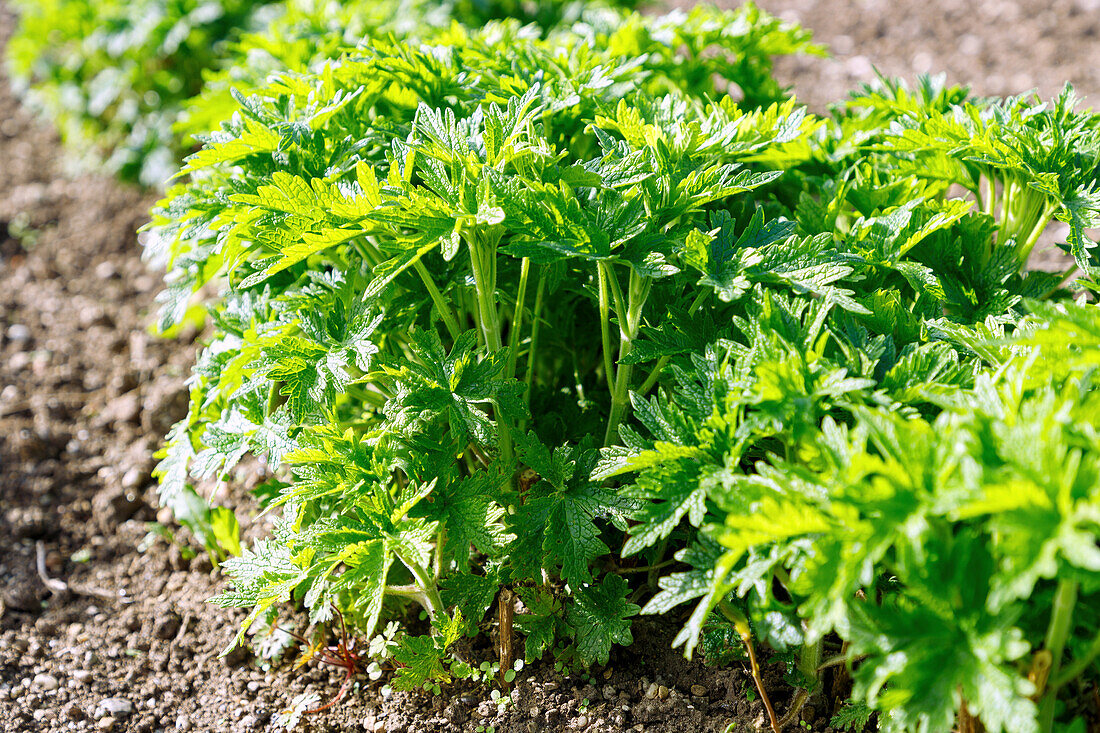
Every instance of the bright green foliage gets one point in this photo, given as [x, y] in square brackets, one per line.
[599, 618]
[130, 82]
[512, 308]
[391, 231]
[851, 717]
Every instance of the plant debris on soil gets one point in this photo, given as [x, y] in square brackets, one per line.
[103, 630]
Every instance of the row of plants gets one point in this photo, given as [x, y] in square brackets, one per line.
[544, 326]
[122, 79]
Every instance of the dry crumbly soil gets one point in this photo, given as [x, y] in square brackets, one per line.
[112, 635]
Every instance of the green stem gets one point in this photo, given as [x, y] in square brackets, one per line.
[1061, 624]
[412, 592]
[536, 322]
[441, 304]
[664, 360]
[1008, 193]
[646, 568]
[616, 292]
[620, 397]
[809, 659]
[368, 252]
[605, 328]
[1078, 667]
[513, 352]
[630, 321]
[1037, 230]
[433, 602]
[483, 259]
[517, 318]
[273, 395]
[989, 202]
[374, 399]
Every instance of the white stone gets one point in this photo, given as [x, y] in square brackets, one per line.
[45, 682]
[115, 706]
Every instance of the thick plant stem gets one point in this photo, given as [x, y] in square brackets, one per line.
[1058, 631]
[620, 397]
[809, 659]
[629, 313]
[483, 259]
[809, 662]
[430, 598]
[742, 625]
[988, 202]
[412, 592]
[1041, 222]
[605, 328]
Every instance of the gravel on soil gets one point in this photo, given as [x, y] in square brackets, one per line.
[120, 638]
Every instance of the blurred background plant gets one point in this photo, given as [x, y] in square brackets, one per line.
[116, 76]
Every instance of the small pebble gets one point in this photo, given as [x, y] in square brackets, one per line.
[46, 682]
[183, 723]
[582, 721]
[651, 691]
[82, 675]
[662, 692]
[19, 332]
[249, 722]
[106, 723]
[698, 690]
[115, 706]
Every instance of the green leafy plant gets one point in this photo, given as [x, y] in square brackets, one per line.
[129, 83]
[914, 405]
[587, 320]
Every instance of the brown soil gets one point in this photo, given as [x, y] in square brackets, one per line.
[86, 394]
